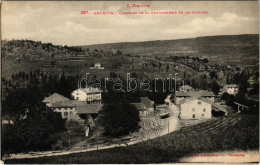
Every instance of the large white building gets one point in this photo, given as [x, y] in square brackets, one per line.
[88, 95]
[200, 108]
[194, 108]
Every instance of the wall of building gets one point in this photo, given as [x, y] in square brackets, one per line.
[66, 112]
[231, 90]
[195, 109]
[178, 99]
[80, 95]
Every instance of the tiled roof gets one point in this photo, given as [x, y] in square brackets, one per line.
[55, 97]
[89, 90]
[88, 108]
[63, 104]
[194, 94]
[186, 87]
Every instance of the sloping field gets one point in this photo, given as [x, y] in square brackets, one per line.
[228, 133]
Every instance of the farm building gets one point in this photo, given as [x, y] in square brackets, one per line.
[180, 95]
[186, 88]
[69, 108]
[66, 108]
[145, 107]
[200, 108]
[54, 98]
[141, 108]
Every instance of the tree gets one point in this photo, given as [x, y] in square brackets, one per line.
[167, 67]
[38, 130]
[119, 119]
[215, 87]
[229, 99]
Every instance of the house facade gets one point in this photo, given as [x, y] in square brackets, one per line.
[201, 108]
[89, 95]
[195, 109]
[145, 107]
[65, 108]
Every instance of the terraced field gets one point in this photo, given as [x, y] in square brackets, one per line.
[215, 125]
[227, 133]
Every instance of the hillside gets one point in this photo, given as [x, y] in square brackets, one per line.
[27, 55]
[229, 48]
[235, 132]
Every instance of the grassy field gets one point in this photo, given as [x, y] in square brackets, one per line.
[235, 132]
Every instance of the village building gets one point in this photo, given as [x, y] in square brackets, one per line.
[66, 108]
[141, 108]
[180, 95]
[54, 98]
[84, 109]
[186, 88]
[145, 107]
[88, 95]
[71, 108]
[231, 89]
[97, 66]
[200, 108]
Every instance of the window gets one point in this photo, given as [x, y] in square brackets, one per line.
[77, 98]
[65, 114]
[70, 113]
[204, 109]
[193, 109]
[202, 115]
[199, 102]
[193, 116]
[59, 108]
[70, 108]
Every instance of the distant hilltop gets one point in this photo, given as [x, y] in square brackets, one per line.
[229, 48]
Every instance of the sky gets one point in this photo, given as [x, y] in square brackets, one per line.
[62, 23]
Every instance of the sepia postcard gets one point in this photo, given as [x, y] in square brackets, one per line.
[129, 82]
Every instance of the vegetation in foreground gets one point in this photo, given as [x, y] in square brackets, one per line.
[235, 132]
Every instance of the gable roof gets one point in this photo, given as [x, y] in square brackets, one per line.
[89, 90]
[194, 94]
[147, 102]
[63, 104]
[230, 86]
[54, 98]
[88, 108]
[186, 87]
[139, 106]
[216, 106]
